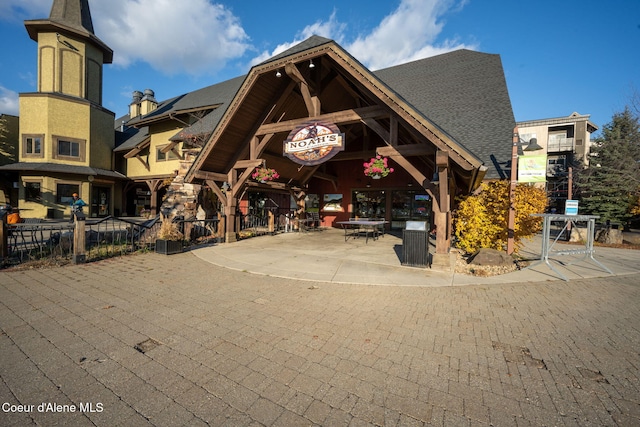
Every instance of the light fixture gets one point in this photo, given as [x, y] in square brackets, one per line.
[436, 178]
[311, 64]
[278, 74]
[225, 187]
[533, 145]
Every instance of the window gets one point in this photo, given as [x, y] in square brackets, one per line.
[32, 192]
[369, 204]
[161, 157]
[556, 165]
[64, 193]
[68, 148]
[32, 146]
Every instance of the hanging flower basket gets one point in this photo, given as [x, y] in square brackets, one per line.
[265, 174]
[377, 167]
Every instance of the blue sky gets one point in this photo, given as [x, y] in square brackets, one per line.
[558, 56]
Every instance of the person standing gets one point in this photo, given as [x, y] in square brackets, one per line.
[76, 206]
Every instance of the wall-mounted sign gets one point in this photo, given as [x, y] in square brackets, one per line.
[313, 143]
[332, 203]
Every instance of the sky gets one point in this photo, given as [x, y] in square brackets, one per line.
[558, 57]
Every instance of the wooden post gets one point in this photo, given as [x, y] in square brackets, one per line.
[271, 222]
[511, 221]
[569, 197]
[221, 227]
[233, 221]
[187, 230]
[79, 240]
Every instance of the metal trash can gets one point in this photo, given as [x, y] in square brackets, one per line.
[415, 244]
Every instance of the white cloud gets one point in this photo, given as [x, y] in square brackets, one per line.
[410, 32]
[8, 101]
[188, 36]
[331, 29]
[199, 37]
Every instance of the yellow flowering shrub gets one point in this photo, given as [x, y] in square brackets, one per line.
[481, 220]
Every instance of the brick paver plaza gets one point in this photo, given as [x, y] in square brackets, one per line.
[173, 341]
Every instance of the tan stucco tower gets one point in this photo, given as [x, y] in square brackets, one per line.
[67, 137]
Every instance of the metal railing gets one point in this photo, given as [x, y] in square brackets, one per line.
[104, 238]
[560, 144]
[283, 222]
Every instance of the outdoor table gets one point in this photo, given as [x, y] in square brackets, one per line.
[369, 226]
[547, 246]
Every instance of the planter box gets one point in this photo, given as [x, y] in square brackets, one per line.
[168, 247]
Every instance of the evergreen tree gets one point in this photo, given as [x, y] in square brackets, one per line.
[609, 185]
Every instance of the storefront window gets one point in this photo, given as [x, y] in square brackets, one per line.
[409, 206]
[369, 204]
[64, 193]
[32, 192]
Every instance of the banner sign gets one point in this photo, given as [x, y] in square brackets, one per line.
[313, 143]
[532, 168]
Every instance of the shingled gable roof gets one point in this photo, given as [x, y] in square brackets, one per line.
[319, 48]
[310, 43]
[465, 93]
[213, 100]
[73, 17]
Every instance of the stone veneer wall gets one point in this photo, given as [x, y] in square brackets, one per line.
[181, 198]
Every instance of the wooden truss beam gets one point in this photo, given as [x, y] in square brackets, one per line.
[340, 117]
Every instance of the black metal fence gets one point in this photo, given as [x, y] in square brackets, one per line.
[283, 221]
[104, 238]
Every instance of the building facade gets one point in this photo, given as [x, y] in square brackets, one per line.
[66, 137]
[566, 142]
[443, 123]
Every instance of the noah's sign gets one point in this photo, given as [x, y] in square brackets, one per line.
[313, 143]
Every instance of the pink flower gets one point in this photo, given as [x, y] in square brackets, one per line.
[377, 166]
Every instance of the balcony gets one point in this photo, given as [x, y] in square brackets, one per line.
[560, 144]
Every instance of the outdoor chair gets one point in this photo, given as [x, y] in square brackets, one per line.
[314, 220]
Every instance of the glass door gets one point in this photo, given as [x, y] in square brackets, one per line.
[100, 201]
[369, 204]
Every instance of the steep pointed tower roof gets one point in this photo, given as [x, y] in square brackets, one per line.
[73, 13]
[72, 17]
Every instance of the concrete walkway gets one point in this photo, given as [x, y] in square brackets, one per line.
[325, 256]
[152, 340]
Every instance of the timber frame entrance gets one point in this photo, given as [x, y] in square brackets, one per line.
[284, 93]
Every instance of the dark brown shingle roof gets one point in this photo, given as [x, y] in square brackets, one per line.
[464, 93]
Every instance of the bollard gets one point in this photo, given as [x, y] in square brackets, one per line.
[79, 239]
[272, 223]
